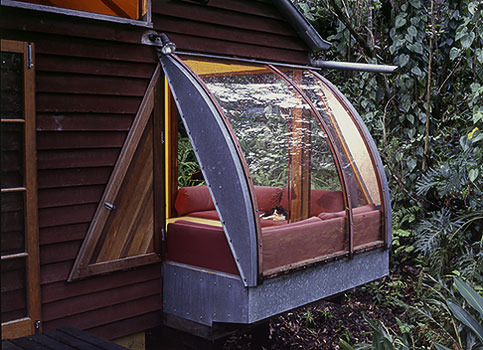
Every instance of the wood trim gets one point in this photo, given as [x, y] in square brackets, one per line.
[13, 121]
[17, 328]
[81, 267]
[158, 171]
[14, 256]
[14, 189]
[27, 326]
[77, 13]
[119, 264]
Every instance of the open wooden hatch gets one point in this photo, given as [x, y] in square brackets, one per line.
[295, 205]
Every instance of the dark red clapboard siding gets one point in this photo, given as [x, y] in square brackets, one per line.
[35, 21]
[60, 197]
[217, 16]
[63, 290]
[80, 47]
[98, 300]
[47, 102]
[75, 214]
[73, 139]
[237, 49]
[73, 177]
[56, 253]
[89, 84]
[66, 233]
[200, 29]
[251, 7]
[108, 314]
[83, 122]
[128, 326]
[55, 272]
[58, 159]
[82, 65]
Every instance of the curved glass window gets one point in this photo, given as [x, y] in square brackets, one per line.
[358, 164]
[282, 141]
[307, 159]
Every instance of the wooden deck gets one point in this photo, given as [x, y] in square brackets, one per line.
[65, 338]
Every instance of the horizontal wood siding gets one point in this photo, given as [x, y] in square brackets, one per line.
[90, 79]
[241, 28]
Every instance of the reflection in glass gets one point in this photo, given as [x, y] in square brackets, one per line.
[283, 144]
[11, 99]
[13, 294]
[12, 150]
[12, 223]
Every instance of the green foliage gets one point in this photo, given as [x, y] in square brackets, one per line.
[438, 210]
[187, 163]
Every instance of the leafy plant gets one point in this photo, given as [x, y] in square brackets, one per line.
[473, 299]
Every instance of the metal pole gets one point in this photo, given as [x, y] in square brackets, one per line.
[361, 67]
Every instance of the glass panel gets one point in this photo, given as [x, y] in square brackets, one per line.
[118, 8]
[289, 160]
[356, 159]
[11, 100]
[12, 155]
[13, 289]
[12, 224]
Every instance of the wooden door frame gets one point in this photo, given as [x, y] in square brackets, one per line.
[28, 325]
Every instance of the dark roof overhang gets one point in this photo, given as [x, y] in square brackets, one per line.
[303, 28]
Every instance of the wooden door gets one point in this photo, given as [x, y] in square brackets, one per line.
[20, 289]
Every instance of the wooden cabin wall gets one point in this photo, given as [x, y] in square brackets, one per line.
[253, 29]
[90, 78]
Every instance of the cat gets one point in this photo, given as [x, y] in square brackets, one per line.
[276, 213]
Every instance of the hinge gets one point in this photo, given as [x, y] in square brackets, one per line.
[109, 206]
[162, 137]
[163, 234]
[37, 326]
[30, 63]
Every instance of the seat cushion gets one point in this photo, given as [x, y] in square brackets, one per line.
[320, 201]
[302, 241]
[199, 245]
[268, 197]
[190, 199]
[207, 214]
[325, 201]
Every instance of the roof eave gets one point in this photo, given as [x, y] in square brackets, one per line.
[303, 28]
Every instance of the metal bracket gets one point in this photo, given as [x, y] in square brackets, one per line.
[30, 63]
[109, 206]
[37, 326]
[161, 41]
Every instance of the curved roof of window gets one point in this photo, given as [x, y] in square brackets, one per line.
[256, 128]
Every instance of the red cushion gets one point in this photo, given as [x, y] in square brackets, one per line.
[320, 201]
[208, 214]
[355, 211]
[326, 201]
[190, 199]
[303, 240]
[199, 245]
[367, 227]
[364, 209]
[328, 216]
[293, 224]
[271, 223]
[267, 197]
